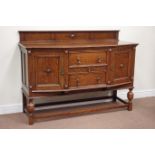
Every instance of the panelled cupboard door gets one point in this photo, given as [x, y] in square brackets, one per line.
[47, 69]
[122, 63]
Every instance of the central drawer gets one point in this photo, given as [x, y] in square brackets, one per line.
[87, 79]
[87, 67]
[87, 57]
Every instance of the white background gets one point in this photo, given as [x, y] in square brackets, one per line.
[80, 14]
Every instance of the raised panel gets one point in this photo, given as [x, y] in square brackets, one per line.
[105, 35]
[36, 36]
[48, 70]
[121, 66]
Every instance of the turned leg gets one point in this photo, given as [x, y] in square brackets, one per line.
[30, 109]
[114, 95]
[130, 96]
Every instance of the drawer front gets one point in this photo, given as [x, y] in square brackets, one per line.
[90, 69]
[87, 57]
[87, 79]
[71, 36]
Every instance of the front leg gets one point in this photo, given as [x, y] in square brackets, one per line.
[30, 109]
[130, 96]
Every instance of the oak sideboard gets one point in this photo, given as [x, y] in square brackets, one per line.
[59, 63]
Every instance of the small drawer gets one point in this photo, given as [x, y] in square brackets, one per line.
[78, 70]
[87, 57]
[71, 36]
[98, 69]
[89, 79]
[89, 69]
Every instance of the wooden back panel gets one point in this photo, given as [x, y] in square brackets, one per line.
[67, 35]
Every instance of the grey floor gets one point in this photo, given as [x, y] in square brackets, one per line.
[142, 117]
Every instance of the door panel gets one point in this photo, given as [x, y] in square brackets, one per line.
[48, 70]
[121, 66]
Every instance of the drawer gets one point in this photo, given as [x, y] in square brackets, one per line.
[90, 69]
[87, 57]
[71, 36]
[87, 79]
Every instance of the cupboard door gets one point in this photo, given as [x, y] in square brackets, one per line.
[122, 63]
[48, 70]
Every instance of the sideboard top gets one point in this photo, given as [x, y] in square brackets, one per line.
[70, 39]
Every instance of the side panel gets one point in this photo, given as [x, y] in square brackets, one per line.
[24, 65]
[121, 65]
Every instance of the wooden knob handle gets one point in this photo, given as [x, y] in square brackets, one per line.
[78, 61]
[66, 51]
[48, 70]
[66, 86]
[77, 82]
[98, 80]
[99, 60]
[72, 35]
[121, 65]
[89, 69]
[110, 49]
[109, 82]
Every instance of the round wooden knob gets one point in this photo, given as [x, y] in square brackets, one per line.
[29, 52]
[66, 51]
[109, 82]
[78, 61]
[98, 80]
[121, 65]
[89, 69]
[48, 70]
[72, 35]
[77, 82]
[99, 60]
[110, 49]
[66, 86]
